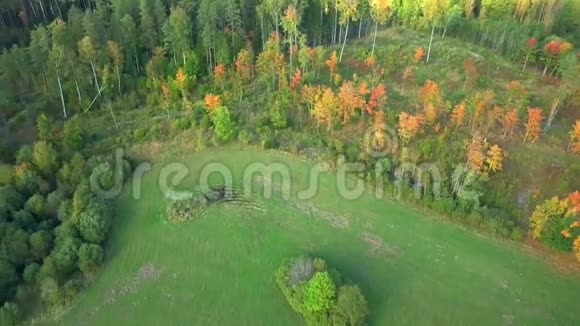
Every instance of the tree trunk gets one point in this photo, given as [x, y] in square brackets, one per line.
[95, 76]
[61, 95]
[375, 38]
[335, 22]
[553, 112]
[344, 43]
[430, 43]
[118, 79]
[359, 26]
[525, 62]
[113, 115]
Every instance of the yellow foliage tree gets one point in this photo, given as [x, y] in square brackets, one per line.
[325, 108]
[495, 158]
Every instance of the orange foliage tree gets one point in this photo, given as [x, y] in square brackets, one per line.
[378, 97]
[494, 158]
[219, 74]
[244, 64]
[480, 103]
[475, 154]
[419, 54]
[331, 63]
[348, 101]
[574, 144]
[296, 78]
[431, 98]
[533, 124]
[458, 115]
[212, 102]
[408, 126]
[509, 122]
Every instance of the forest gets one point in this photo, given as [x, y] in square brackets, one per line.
[488, 91]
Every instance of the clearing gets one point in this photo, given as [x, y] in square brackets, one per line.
[218, 269]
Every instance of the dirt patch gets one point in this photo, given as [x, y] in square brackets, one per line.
[377, 245]
[337, 221]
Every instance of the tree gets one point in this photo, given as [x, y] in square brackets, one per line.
[181, 81]
[212, 102]
[494, 158]
[319, 293]
[509, 121]
[40, 244]
[530, 49]
[348, 11]
[324, 108]
[381, 10]
[475, 154]
[178, 33]
[408, 126]
[223, 124]
[418, 55]
[45, 157]
[378, 97]
[431, 98]
[130, 38]
[8, 276]
[270, 62]
[290, 23]
[116, 54]
[379, 127]
[10, 314]
[458, 115]
[568, 86]
[88, 52]
[90, 258]
[244, 64]
[219, 74]
[351, 307]
[553, 222]
[331, 63]
[43, 127]
[434, 12]
[533, 124]
[94, 222]
[574, 144]
[296, 79]
[348, 101]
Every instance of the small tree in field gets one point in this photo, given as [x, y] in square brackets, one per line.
[223, 124]
[533, 124]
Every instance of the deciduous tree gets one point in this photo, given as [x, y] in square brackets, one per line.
[494, 158]
[348, 101]
[331, 63]
[381, 10]
[458, 115]
[475, 154]
[408, 126]
[533, 124]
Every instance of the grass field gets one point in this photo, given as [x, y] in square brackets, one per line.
[218, 269]
[5, 171]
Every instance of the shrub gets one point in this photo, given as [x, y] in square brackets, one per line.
[10, 314]
[90, 258]
[73, 135]
[320, 294]
[184, 209]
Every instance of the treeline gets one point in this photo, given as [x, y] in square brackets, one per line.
[85, 53]
[52, 225]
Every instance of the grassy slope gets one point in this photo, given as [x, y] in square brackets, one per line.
[218, 270]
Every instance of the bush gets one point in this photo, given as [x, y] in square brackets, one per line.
[320, 294]
[184, 209]
[90, 258]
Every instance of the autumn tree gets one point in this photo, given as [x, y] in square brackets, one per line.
[181, 81]
[348, 101]
[212, 102]
[494, 158]
[533, 124]
[378, 97]
[219, 74]
[270, 63]
[418, 55]
[553, 222]
[458, 114]
[379, 127]
[244, 64]
[381, 10]
[475, 153]
[509, 122]
[290, 23]
[296, 78]
[324, 108]
[431, 99]
[574, 144]
[331, 63]
[408, 126]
